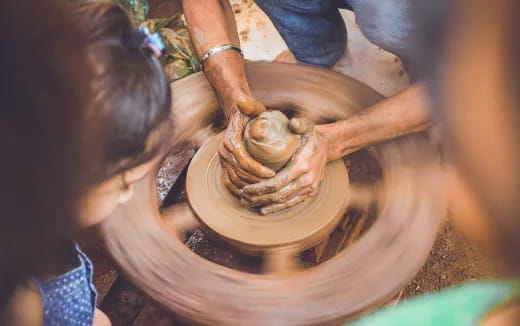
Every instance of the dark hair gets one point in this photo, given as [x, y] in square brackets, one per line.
[131, 93]
[43, 78]
[78, 92]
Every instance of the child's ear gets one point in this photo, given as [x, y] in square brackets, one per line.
[127, 189]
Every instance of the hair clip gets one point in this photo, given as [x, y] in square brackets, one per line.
[153, 41]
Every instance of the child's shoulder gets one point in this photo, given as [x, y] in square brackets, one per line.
[25, 307]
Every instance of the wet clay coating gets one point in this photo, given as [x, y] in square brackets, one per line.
[224, 217]
[270, 141]
[357, 280]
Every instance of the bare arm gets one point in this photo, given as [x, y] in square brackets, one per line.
[211, 23]
[25, 307]
[404, 113]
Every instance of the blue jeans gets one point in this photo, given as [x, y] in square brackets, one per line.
[315, 32]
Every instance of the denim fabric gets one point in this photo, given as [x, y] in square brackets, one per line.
[315, 32]
[313, 29]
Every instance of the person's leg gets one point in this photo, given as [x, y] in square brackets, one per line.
[313, 29]
[388, 24]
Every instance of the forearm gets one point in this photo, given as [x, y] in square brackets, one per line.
[211, 23]
[404, 113]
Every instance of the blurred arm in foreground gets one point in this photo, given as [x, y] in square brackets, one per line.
[474, 80]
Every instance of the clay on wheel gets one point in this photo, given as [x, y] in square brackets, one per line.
[270, 141]
[357, 280]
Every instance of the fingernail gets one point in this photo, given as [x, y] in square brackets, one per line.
[270, 173]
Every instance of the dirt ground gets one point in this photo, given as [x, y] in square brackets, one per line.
[452, 260]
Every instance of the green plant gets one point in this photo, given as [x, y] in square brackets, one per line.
[138, 8]
[179, 58]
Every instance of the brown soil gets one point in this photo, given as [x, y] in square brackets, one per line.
[453, 260]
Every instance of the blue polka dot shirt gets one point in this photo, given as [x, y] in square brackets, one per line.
[70, 299]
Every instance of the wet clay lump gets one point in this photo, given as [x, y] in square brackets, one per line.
[270, 141]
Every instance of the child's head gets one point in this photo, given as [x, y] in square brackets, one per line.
[127, 119]
[42, 84]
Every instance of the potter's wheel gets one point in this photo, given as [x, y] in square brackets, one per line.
[222, 215]
[357, 279]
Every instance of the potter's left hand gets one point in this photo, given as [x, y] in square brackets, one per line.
[240, 168]
[301, 177]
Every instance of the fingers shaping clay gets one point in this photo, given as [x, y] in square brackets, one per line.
[270, 141]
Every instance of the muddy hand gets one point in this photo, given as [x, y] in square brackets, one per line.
[241, 169]
[250, 107]
[299, 180]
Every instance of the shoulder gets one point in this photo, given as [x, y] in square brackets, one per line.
[25, 307]
[507, 315]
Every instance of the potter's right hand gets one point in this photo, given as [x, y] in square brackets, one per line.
[240, 168]
[299, 179]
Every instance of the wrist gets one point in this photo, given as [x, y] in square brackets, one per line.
[326, 135]
[230, 100]
[230, 113]
[225, 71]
[218, 49]
[223, 61]
[337, 140]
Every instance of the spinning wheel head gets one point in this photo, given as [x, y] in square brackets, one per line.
[357, 279]
[222, 215]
